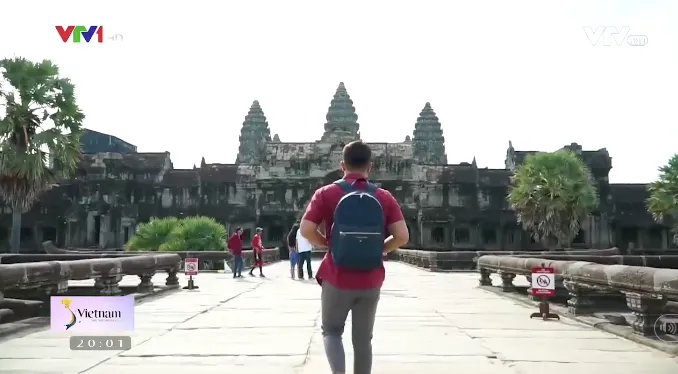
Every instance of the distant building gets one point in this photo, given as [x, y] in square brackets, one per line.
[446, 206]
[97, 142]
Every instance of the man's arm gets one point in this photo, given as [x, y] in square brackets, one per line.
[396, 225]
[289, 236]
[312, 219]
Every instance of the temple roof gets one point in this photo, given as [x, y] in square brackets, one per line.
[180, 178]
[629, 193]
[467, 173]
[599, 159]
[219, 173]
[133, 161]
[319, 150]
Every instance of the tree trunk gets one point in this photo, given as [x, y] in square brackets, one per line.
[15, 236]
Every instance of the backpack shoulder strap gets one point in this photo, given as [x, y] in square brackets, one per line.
[371, 188]
[345, 186]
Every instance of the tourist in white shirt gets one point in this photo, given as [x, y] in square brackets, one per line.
[304, 248]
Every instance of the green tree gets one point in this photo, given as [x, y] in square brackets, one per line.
[151, 235]
[40, 127]
[196, 234]
[551, 193]
[663, 200]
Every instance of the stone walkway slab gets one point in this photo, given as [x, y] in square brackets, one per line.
[426, 322]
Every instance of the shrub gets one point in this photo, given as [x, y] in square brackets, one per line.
[196, 234]
[152, 235]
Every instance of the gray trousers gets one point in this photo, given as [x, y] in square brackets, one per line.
[335, 305]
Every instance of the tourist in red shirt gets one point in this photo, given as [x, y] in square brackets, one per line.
[234, 245]
[344, 289]
[257, 253]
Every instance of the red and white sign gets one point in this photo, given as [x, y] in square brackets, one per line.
[191, 266]
[543, 282]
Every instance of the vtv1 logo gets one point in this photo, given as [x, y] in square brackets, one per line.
[610, 33]
[80, 32]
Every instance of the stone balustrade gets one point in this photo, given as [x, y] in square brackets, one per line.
[106, 271]
[208, 259]
[49, 278]
[646, 289]
[466, 260]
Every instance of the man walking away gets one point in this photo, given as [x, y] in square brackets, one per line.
[292, 245]
[257, 253]
[357, 216]
[234, 245]
[304, 248]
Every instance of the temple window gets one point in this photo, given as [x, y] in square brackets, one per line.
[438, 235]
[489, 236]
[275, 233]
[462, 235]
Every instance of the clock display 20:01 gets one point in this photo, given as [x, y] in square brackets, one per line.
[100, 343]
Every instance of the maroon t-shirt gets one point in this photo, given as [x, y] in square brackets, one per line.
[235, 244]
[321, 209]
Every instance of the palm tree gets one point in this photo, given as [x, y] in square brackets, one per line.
[40, 130]
[551, 193]
[663, 200]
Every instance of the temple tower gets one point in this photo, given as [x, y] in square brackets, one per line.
[342, 121]
[253, 135]
[428, 141]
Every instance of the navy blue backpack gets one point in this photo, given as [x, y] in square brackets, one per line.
[357, 240]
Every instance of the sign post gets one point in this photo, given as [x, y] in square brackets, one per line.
[544, 286]
[191, 269]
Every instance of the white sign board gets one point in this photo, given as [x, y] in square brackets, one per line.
[543, 281]
[191, 266]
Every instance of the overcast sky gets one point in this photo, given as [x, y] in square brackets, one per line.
[185, 73]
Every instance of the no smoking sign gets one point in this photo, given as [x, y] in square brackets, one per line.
[543, 281]
[191, 266]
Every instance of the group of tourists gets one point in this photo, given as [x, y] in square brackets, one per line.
[300, 252]
[365, 224]
[234, 245]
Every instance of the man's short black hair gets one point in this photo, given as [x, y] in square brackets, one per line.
[238, 229]
[357, 155]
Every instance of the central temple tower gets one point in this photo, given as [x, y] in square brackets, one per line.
[342, 121]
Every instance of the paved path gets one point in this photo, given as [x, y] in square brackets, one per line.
[427, 322]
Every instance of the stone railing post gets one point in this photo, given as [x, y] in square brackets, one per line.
[579, 301]
[646, 309]
[172, 280]
[485, 279]
[109, 285]
[507, 281]
[145, 283]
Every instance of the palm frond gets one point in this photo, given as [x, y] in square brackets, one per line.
[41, 122]
[551, 193]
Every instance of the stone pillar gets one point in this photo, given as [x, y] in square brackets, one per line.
[665, 239]
[604, 231]
[421, 226]
[92, 237]
[104, 229]
[67, 242]
[640, 233]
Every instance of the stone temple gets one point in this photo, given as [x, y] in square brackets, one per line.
[447, 206]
